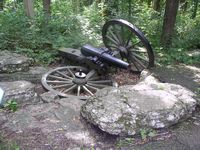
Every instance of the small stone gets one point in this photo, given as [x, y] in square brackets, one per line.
[197, 123]
[48, 97]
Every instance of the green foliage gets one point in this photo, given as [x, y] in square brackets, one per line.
[125, 142]
[11, 105]
[175, 56]
[8, 145]
[188, 31]
[144, 133]
[40, 37]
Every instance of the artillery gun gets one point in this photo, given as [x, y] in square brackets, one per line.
[126, 47]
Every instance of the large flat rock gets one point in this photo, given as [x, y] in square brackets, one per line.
[34, 74]
[149, 104]
[55, 125]
[20, 91]
[12, 62]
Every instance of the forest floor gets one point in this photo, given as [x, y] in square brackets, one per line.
[58, 125]
[185, 135]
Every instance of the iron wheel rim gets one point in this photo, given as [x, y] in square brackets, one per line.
[139, 56]
[63, 82]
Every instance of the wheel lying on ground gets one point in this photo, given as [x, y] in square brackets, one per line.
[128, 43]
[74, 81]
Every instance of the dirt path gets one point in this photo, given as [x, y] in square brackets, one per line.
[187, 76]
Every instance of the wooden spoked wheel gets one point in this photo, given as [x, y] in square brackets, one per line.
[128, 43]
[74, 81]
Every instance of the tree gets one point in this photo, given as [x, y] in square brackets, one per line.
[46, 8]
[28, 6]
[76, 4]
[156, 5]
[171, 9]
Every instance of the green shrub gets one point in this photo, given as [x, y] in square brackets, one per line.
[11, 105]
[38, 38]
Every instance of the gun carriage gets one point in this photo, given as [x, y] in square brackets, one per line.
[126, 47]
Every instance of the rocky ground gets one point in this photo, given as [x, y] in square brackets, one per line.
[56, 124]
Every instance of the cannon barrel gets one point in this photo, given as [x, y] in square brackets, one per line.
[88, 50]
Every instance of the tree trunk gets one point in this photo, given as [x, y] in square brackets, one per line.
[76, 6]
[1, 5]
[28, 6]
[47, 8]
[156, 5]
[169, 22]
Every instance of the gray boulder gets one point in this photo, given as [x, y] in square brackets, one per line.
[20, 91]
[12, 62]
[148, 104]
[49, 97]
[33, 75]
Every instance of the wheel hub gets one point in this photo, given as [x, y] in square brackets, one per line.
[80, 74]
[80, 78]
[123, 49]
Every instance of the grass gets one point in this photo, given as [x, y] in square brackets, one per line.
[9, 145]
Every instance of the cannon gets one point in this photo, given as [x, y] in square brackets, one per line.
[125, 47]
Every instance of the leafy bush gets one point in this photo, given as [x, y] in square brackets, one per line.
[188, 31]
[36, 37]
[11, 105]
[40, 38]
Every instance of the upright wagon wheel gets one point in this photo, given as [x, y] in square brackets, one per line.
[128, 43]
[74, 81]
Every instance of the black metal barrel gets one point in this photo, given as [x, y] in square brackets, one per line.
[88, 50]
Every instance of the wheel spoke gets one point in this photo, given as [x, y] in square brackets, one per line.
[64, 75]
[87, 90]
[58, 82]
[98, 85]
[78, 90]
[129, 39]
[92, 87]
[113, 41]
[133, 62]
[140, 57]
[72, 74]
[90, 74]
[113, 35]
[93, 78]
[112, 47]
[116, 52]
[69, 89]
[118, 35]
[59, 78]
[122, 33]
[63, 85]
[100, 81]
[138, 61]
[132, 46]
[137, 51]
